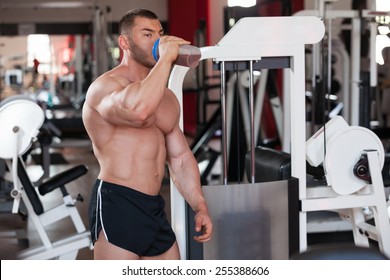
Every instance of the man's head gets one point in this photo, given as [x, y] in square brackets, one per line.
[127, 21]
[139, 29]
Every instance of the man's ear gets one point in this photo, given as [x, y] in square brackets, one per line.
[123, 42]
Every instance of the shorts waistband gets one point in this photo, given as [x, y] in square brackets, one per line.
[108, 187]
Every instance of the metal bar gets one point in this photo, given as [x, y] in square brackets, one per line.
[252, 128]
[224, 130]
[329, 73]
[279, 62]
[355, 70]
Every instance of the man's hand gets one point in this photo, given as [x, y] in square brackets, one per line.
[204, 226]
[169, 47]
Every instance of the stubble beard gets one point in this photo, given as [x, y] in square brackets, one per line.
[140, 56]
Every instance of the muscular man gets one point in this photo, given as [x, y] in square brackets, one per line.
[132, 120]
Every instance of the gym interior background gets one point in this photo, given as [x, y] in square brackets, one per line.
[52, 50]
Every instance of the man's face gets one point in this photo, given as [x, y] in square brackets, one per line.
[141, 39]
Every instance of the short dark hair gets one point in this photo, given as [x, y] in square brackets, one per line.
[127, 20]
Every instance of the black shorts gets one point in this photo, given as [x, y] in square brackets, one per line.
[130, 219]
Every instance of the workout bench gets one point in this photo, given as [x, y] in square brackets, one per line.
[20, 120]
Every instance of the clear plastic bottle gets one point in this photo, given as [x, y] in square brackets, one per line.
[188, 55]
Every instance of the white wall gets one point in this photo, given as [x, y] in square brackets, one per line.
[33, 11]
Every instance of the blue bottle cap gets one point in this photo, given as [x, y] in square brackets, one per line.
[155, 50]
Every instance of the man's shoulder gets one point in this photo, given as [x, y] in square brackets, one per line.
[108, 77]
[104, 83]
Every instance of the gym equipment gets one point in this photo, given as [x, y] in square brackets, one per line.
[352, 163]
[276, 41]
[20, 120]
[265, 81]
[349, 189]
[351, 109]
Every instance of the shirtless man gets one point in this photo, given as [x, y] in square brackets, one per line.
[132, 120]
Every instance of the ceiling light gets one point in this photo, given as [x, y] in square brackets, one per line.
[242, 3]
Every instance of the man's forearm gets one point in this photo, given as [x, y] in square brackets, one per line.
[186, 178]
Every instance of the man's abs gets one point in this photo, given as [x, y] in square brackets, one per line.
[134, 158]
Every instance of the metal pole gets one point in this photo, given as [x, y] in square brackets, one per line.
[79, 68]
[355, 70]
[251, 105]
[224, 130]
[329, 73]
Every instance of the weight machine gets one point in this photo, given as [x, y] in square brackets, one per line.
[273, 40]
[20, 120]
[279, 41]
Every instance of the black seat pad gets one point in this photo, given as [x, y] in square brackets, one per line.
[62, 178]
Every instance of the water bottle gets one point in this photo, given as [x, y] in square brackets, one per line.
[188, 55]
